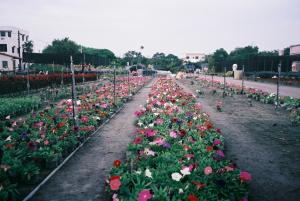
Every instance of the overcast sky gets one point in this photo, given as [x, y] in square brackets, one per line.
[170, 26]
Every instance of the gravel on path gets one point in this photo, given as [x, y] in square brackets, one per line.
[83, 177]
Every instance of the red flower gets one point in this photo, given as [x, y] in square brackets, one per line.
[245, 176]
[209, 148]
[138, 140]
[60, 125]
[117, 163]
[114, 183]
[193, 198]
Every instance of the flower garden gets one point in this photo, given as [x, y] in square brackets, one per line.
[31, 146]
[176, 154]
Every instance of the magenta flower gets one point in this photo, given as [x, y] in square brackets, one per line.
[173, 134]
[159, 121]
[217, 142]
[245, 176]
[208, 170]
[144, 195]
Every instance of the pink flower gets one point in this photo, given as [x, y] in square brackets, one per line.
[84, 119]
[46, 142]
[173, 134]
[114, 183]
[245, 176]
[144, 195]
[150, 133]
[220, 153]
[217, 142]
[159, 121]
[208, 170]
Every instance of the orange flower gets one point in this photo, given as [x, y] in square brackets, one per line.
[209, 148]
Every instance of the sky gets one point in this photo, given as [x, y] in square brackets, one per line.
[169, 26]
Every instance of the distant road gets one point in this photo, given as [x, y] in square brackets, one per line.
[267, 87]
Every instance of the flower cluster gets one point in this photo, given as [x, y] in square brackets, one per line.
[41, 140]
[177, 154]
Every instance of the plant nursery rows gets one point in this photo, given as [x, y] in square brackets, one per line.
[32, 146]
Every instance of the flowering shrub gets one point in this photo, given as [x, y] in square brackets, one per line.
[43, 139]
[176, 154]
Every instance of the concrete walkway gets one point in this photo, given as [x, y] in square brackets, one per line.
[83, 176]
[267, 87]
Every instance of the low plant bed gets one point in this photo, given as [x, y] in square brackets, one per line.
[177, 154]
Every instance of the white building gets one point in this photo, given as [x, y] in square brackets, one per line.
[295, 49]
[193, 57]
[11, 47]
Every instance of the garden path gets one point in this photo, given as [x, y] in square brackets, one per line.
[82, 178]
[267, 87]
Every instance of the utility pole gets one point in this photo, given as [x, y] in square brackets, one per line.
[243, 74]
[115, 85]
[19, 52]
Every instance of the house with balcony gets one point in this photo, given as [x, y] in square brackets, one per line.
[12, 40]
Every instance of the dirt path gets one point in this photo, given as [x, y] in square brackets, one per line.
[83, 177]
[268, 87]
[261, 141]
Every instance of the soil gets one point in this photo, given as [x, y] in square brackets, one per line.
[83, 177]
[260, 140]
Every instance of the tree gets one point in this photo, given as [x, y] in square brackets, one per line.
[219, 56]
[162, 62]
[63, 46]
[268, 53]
[28, 46]
[242, 53]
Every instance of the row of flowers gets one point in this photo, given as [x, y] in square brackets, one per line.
[177, 154]
[18, 83]
[41, 141]
[289, 103]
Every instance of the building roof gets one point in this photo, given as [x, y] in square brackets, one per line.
[8, 55]
[11, 28]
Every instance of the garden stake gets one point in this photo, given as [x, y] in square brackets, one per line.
[224, 82]
[278, 79]
[115, 85]
[243, 79]
[73, 93]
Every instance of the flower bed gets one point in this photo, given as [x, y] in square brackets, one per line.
[289, 103]
[177, 154]
[43, 139]
[18, 83]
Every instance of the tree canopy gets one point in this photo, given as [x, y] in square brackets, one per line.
[63, 46]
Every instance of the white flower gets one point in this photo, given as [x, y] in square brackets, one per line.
[148, 173]
[195, 118]
[176, 176]
[8, 138]
[149, 152]
[151, 125]
[8, 117]
[180, 191]
[78, 102]
[156, 114]
[185, 171]
[138, 172]
[140, 123]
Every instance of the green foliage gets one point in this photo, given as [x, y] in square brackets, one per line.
[63, 46]
[168, 62]
[28, 46]
[241, 53]
[17, 106]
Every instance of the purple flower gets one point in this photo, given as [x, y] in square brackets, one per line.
[166, 145]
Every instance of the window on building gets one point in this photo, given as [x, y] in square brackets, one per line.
[2, 33]
[26, 38]
[3, 47]
[187, 57]
[5, 64]
[197, 57]
[13, 49]
[9, 34]
[23, 36]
